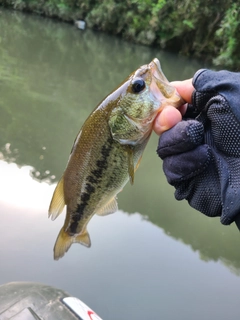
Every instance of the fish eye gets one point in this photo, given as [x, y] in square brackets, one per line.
[138, 85]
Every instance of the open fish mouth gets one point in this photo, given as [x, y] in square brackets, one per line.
[157, 63]
[156, 70]
[161, 81]
[155, 67]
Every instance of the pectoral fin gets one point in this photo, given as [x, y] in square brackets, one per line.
[130, 164]
[137, 165]
[109, 208]
[57, 204]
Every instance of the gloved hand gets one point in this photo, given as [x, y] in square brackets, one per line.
[201, 157]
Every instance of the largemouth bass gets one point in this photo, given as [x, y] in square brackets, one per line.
[107, 152]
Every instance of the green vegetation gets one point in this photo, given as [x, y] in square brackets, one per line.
[47, 93]
[201, 28]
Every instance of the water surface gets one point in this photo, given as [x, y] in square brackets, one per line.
[155, 258]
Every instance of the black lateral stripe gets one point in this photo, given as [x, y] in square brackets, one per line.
[93, 180]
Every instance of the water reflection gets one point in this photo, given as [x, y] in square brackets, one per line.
[51, 78]
[142, 272]
[47, 92]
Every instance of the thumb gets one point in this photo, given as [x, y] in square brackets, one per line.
[166, 119]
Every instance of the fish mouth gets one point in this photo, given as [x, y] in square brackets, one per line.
[157, 63]
[161, 81]
[162, 88]
[156, 69]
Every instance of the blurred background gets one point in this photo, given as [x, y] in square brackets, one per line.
[155, 258]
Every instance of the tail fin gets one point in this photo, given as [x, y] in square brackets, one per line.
[64, 242]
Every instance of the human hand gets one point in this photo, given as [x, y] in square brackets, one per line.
[170, 115]
[201, 158]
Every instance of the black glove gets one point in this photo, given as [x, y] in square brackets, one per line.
[201, 157]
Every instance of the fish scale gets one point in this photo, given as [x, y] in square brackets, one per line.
[107, 152]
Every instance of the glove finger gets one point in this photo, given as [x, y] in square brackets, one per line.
[191, 113]
[200, 99]
[187, 165]
[225, 127]
[202, 192]
[230, 189]
[184, 136]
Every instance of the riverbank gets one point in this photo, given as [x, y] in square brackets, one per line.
[192, 28]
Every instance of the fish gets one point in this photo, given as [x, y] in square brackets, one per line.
[107, 152]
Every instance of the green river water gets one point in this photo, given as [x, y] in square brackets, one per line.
[156, 258]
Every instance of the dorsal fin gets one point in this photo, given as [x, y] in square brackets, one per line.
[57, 204]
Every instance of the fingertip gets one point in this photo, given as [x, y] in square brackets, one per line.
[165, 120]
[185, 89]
